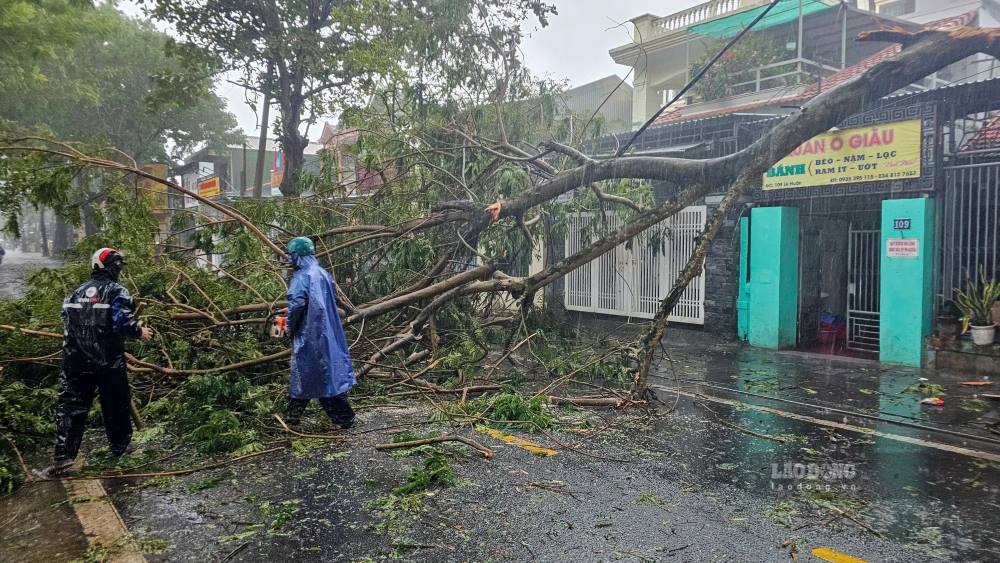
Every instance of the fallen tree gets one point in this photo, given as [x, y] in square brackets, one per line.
[423, 260]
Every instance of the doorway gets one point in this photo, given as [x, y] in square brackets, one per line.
[839, 245]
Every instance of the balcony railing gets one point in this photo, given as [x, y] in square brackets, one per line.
[780, 74]
[788, 76]
[700, 13]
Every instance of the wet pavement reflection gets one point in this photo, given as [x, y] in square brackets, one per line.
[936, 486]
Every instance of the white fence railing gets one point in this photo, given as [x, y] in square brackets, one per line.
[632, 279]
[700, 13]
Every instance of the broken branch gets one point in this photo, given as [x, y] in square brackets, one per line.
[487, 453]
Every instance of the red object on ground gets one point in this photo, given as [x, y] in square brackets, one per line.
[936, 401]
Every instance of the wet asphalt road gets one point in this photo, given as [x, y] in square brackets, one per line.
[675, 487]
[16, 268]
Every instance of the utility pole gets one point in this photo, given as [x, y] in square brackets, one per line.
[800, 36]
[258, 181]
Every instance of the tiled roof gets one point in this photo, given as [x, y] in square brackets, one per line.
[333, 136]
[986, 138]
[841, 76]
[835, 79]
[859, 68]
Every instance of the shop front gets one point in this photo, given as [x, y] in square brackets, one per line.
[837, 252]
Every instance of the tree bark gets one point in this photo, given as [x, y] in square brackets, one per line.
[60, 236]
[43, 231]
[89, 225]
[293, 144]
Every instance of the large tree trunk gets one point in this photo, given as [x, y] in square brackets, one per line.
[92, 197]
[60, 238]
[43, 231]
[293, 145]
[89, 224]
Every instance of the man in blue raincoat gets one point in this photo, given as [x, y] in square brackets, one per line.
[321, 364]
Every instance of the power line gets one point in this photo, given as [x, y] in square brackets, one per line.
[697, 77]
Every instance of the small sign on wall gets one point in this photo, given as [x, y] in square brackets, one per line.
[901, 224]
[902, 248]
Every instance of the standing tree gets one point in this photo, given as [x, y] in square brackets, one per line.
[95, 85]
[326, 54]
[100, 86]
[32, 32]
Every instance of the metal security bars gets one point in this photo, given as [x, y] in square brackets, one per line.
[969, 216]
[632, 279]
[863, 288]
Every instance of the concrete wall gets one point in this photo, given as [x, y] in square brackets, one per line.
[774, 277]
[907, 283]
[610, 94]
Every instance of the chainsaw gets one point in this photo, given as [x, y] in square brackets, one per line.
[276, 325]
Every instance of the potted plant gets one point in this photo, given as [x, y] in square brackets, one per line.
[976, 304]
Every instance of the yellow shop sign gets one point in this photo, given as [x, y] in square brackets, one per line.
[890, 151]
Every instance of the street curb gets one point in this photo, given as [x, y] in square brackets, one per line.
[101, 522]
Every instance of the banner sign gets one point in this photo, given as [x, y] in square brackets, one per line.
[209, 187]
[155, 192]
[890, 151]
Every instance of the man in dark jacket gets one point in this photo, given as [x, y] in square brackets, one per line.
[321, 363]
[97, 317]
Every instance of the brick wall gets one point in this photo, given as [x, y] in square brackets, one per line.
[722, 272]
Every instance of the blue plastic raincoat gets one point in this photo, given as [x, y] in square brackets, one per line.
[321, 364]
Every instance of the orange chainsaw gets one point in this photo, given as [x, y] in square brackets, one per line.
[276, 325]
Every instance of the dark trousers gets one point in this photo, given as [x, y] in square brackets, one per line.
[337, 408]
[76, 394]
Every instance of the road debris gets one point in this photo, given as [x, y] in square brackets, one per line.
[834, 556]
[515, 441]
[487, 453]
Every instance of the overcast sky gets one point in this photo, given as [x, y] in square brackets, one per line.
[573, 47]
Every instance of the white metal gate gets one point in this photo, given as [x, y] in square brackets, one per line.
[863, 255]
[631, 280]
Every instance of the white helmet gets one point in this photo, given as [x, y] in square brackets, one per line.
[105, 257]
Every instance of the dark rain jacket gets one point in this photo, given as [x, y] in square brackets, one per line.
[98, 317]
[321, 364]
